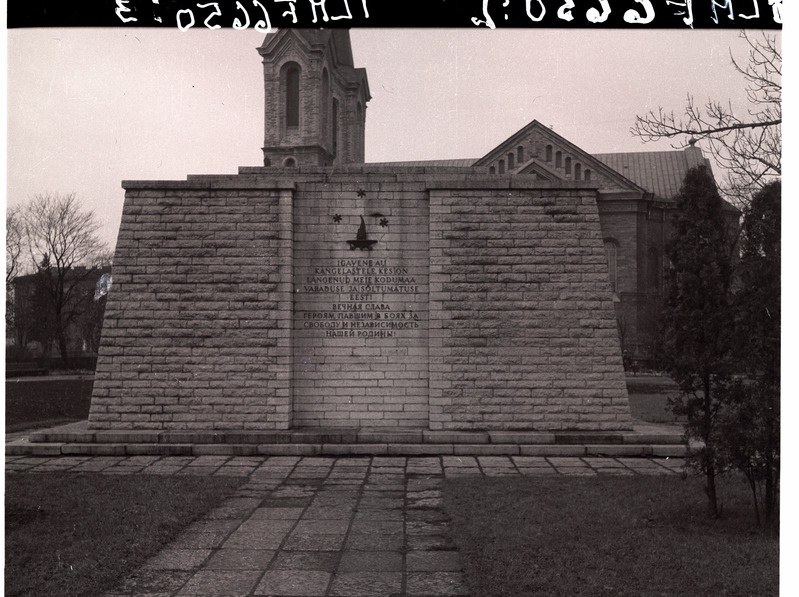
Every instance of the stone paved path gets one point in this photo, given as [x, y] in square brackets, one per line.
[314, 527]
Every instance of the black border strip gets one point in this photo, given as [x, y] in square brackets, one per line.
[499, 14]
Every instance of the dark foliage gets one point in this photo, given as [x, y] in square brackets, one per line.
[697, 320]
[750, 424]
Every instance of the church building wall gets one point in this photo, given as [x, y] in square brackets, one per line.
[318, 137]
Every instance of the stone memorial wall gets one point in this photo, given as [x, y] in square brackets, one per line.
[522, 329]
[197, 332]
[361, 297]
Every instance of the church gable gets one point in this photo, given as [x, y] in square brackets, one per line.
[285, 45]
[538, 149]
[540, 170]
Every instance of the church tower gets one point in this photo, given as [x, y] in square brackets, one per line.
[315, 99]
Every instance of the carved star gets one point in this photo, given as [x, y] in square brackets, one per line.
[384, 222]
[361, 193]
[337, 218]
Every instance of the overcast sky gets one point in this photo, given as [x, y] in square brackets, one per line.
[88, 108]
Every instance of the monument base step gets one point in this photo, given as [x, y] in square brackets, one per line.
[644, 440]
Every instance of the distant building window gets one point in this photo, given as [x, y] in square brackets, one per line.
[502, 166]
[653, 269]
[587, 174]
[549, 153]
[520, 154]
[558, 159]
[568, 166]
[511, 159]
[577, 171]
[611, 254]
[290, 163]
[292, 94]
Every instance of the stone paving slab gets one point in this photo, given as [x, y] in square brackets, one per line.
[323, 527]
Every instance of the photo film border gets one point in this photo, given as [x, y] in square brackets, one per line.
[264, 15]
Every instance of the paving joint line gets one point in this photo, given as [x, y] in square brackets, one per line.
[279, 548]
[404, 581]
[347, 534]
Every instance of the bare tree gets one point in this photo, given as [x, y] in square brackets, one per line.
[14, 243]
[62, 240]
[748, 147]
[13, 261]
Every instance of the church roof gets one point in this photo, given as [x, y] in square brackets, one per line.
[660, 172]
[339, 40]
[461, 163]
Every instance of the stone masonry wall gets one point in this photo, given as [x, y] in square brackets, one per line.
[522, 329]
[468, 302]
[197, 325]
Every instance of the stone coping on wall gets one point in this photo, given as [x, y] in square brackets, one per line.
[645, 440]
[434, 178]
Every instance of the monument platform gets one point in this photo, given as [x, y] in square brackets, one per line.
[644, 440]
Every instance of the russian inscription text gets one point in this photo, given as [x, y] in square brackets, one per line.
[367, 298]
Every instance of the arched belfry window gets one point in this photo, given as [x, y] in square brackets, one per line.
[511, 161]
[520, 154]
[502, 166]
[325, 107]
[587, 174]
[335, 127]
[577, 171]
[359, 128]
[291, 94]
[611, 254]
[549, 153]
[568, 166]
[558, 159]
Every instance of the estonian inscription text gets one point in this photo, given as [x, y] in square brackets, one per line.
[367, 299]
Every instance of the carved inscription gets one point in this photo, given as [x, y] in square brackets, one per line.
[360, 298]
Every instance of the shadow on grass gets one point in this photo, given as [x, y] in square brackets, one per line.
[553, 535]
[81, 534]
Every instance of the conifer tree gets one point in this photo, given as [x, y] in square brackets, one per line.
[750, 425]
[697, 318]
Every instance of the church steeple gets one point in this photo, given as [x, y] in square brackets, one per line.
[315, 99]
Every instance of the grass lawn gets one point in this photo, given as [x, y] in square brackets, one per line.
[70, 534]
[42, 402]
[649, 398]
[609, 535]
